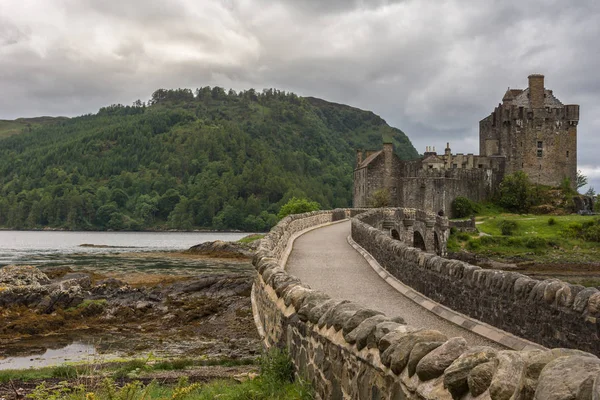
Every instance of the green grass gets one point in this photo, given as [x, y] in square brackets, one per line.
[530, 225]
[276, 381]
[251, 238]
[539, 238]
[61, 371]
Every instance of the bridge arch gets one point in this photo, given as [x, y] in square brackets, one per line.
[436, 244]
[419, 241]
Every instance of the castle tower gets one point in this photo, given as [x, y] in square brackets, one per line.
[535, 132]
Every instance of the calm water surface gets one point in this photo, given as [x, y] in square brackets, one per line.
[120, 252]
[25, 247]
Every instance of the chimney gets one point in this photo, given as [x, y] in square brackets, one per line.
[536, 91]
[388, 149]
[388, 179]
[447, 151]
[359, 157]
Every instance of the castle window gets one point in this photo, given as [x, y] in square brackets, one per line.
[480, 165]
[456, 165]
[539, 153]
[529, 115]
[567, 153]
[540, 144]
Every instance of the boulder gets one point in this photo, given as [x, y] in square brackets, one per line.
[456, 375]
[351, 323]
[361, 334]
[391, 337]
[596, 388]
[342, 314]
[22, 275]
[295, 295]
[316, 312]
[418, 352]
[326, 320]
[562, 378]
[534, 365]
[433, 364]
[480, 378]
[506, 378]
[222, 249]
[397, 354]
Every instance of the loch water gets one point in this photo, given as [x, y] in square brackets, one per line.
[103, 253]
[150, 252]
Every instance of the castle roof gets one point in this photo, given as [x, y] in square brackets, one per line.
[511, 94]
[522, 99]
[433, 158]
[370, 159]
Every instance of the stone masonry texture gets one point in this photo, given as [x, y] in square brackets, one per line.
[364, 361]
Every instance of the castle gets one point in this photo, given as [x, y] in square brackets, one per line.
[530, 131]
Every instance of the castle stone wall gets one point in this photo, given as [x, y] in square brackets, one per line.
[379, 174]
[435, 190]
[349, 352]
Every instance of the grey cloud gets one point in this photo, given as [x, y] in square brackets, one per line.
[335, 6]
[10, 34]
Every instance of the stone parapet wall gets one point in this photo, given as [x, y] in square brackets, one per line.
[550, 312]
[464, 225]
[349, 352]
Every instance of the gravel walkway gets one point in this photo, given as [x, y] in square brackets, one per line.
[323, 259]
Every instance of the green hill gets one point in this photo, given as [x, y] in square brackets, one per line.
[20, 125]
[210, 159]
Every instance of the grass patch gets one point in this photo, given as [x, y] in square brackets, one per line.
[558, 239]
[131, 369]
[61, 371]
[276, 382]
[530, 224]
[251, 238]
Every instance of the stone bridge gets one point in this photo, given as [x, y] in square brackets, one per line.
[417, 228]
[354, 335]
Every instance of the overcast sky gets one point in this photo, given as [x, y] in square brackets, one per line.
[432, 68]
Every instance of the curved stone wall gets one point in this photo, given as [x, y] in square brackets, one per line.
[551, 312]
[348, 351]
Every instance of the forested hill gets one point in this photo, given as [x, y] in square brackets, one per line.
[204, 159]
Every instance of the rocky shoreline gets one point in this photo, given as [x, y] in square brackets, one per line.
[207, 315]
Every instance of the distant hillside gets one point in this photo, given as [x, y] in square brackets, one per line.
[209, 159]
[20, 125]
